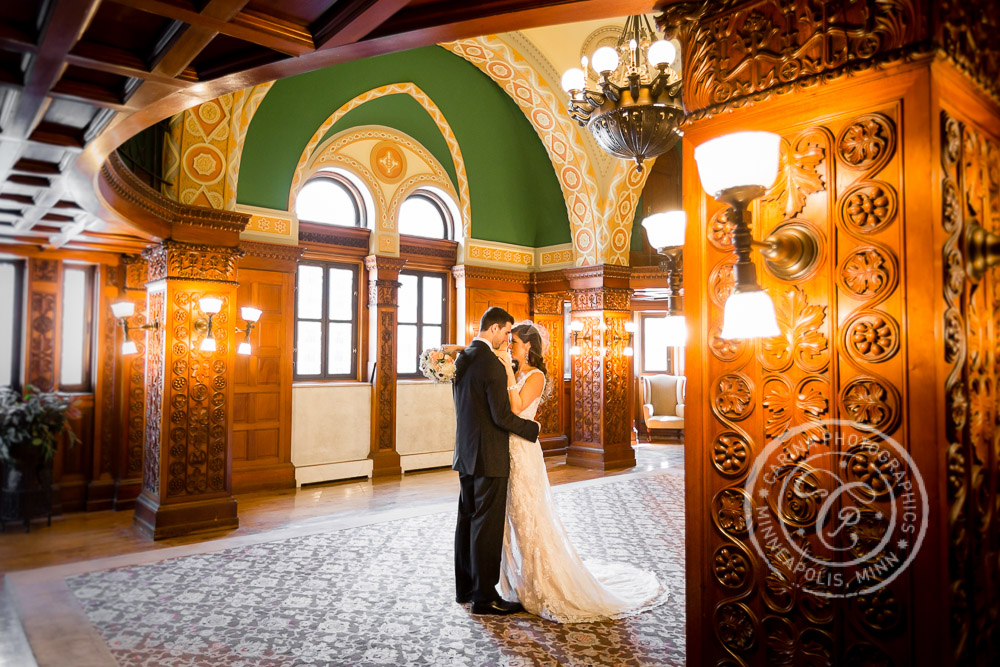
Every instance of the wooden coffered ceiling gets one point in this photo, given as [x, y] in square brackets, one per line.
[79, 77]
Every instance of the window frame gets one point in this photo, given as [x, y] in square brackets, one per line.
[87, 370]
[671, 350]
[445, 328]
[441, 205]
[361, 211]
[324, 320]
[17, 325]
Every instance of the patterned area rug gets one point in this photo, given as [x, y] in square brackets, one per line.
[382, 594]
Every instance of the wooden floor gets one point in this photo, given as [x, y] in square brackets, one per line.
[86, 536]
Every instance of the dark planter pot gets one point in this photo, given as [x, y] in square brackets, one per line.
[25, 487]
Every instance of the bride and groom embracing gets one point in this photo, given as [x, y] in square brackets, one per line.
[509, 531]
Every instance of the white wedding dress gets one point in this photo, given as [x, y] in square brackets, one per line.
[541, 569]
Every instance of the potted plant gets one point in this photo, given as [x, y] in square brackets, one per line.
[31, 427]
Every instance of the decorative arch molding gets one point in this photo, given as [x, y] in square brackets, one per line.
[600, 225]
[354, 150]
[245, 105]
[461, 196]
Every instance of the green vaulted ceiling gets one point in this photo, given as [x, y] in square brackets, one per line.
[514, 194]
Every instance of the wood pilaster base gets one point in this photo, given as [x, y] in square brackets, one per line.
[162, 521]
[597, 457]
[385, 464]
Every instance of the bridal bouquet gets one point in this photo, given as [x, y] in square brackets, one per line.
[436, 365]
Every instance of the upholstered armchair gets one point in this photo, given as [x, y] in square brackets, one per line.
[663, 404]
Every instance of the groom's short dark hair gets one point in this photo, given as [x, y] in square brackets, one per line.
[495, 315]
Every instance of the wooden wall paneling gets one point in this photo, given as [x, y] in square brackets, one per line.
[132, 394]
[43, 314]
[106, 370]
[547, 311]
[187, 475]
[262, 401]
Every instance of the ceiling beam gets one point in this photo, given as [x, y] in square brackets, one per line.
[117, 61]
[249, 26]
[193, 41]
[351, 21]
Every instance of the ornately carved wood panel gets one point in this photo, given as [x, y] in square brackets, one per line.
[42, 322]
[133, 394]
[547, 313]
[262, 383]
[782, 592]
[970, 197]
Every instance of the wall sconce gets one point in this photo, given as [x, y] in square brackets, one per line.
[982, 250]
[250, 315]
[599, 337]
[736, 169]
[211, 307]
[123, 310]
[665, 232]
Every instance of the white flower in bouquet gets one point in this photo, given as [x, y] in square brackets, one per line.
[436, 365]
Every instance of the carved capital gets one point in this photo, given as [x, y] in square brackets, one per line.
[172, 260]
[384, 267]
[547, 304]
[601, 298]
[43, 270]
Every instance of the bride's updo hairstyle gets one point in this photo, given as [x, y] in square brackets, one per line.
[529, 334]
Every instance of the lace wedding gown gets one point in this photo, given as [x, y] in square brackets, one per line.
[540, 567]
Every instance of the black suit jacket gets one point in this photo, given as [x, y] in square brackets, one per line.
[482, 408]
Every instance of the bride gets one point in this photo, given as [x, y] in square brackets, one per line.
[540, 568]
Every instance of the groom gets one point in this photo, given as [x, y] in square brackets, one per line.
[482, 459]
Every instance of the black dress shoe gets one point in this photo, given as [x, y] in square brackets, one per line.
[497, 607]
[463, 599]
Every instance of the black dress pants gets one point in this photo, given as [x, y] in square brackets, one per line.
[482, 505]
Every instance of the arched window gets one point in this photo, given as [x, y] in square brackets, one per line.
[330, 199]
[425, 214]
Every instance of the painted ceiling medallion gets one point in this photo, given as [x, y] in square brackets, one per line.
[388, 162]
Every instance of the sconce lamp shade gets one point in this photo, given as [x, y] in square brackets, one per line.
[122, 309]
[630, 327]
[661, 52]
[208, 344]
[244, 348]
[210, 305]
[627, 351]
[128, 347]
[749, 314]
[576, 325]
[675, 331]
[738, 159]
[250, 314]
[605, 59]
[574, 80]
[575, 350]
[665, 230]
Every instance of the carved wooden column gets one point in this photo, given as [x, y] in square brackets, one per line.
[132, 393]
[602, 378]
[186, 481]
[383, 307]
[42, 316]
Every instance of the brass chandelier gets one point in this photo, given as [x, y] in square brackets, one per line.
[636, 114]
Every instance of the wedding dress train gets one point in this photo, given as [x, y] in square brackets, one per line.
[541, 569]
